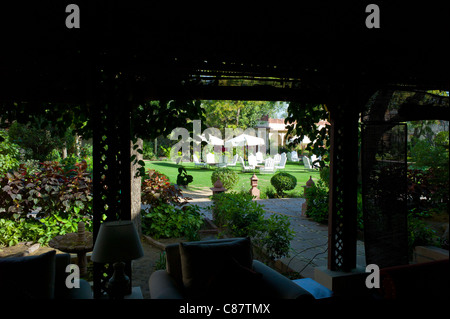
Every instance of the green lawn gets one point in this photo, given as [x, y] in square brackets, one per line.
[202, 176]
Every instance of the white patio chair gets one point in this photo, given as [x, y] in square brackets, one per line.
[269, 166]
[233, 161]
[252, 161]
[306, 162]
[197, 162]
[294, 156]
[277, 159]
[259, 157]
[282, 163]
[245, 168]
[210, 159]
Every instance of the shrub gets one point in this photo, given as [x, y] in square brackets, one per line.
[227, 176]
[61, 199]
[243, 217]
[156, 189]
[167, 221]
[317, 197]
[419, 233]
[277, 237]
[238, 212]
[283, 182]
[51, 189]
[9, 154]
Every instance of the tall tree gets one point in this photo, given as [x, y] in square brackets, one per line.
[237, 114]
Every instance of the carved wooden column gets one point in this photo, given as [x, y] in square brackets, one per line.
[343, 188]
[111, 159]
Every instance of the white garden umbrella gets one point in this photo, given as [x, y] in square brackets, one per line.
[244, 140]
[213, 140]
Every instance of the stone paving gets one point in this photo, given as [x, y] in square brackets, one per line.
[309, 248]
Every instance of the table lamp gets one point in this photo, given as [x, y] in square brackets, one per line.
[117, 242]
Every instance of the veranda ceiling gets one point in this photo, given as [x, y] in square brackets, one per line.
[305, 51]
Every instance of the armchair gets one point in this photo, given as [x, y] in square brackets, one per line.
[39, 277]
[216, 269]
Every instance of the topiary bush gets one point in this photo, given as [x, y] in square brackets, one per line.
[227, 176]
[282, 182]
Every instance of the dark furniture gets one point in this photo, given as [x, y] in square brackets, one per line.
[424, 281]
[39, 277]
[216, 269]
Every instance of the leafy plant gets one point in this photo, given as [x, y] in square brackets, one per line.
[418, 231]
[317, 197]
[9, 153]
[228, 177]
[167, 221]
[58, 199]
[283, 181]
[241, 216]
[277, 236]
[305, 117]
[156, 189]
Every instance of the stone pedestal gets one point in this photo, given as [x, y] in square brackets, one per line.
[345, 284]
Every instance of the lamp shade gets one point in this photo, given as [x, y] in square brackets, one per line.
[117, 241]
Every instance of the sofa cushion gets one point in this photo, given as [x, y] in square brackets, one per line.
[233, 280]
[203, 263]
[30, 277]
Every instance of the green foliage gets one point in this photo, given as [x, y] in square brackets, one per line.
[39, 230]
[317, 197]
[167, 215]
[50, 189]
[237, 114]
[418, 231]
[156, 189]
[228, 177]
[277, 236]
[148, 150]
[60, 198]
[12, 232]
[160, 264]
[243, 217]
[183, 178]
[283, 181]
[168, 221]
[270, 192]
[306, 116]
[428, 176]
[39, 139]
[9, 153]
[426, 155]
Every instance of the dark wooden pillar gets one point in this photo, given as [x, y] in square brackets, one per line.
[111, 161]
[343, 188]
